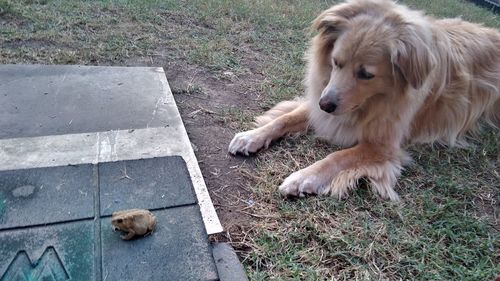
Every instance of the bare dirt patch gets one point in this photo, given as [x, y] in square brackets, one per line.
[205, 103]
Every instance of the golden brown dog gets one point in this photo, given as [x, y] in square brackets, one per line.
[381, 76]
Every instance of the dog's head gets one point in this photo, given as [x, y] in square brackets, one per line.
[371, 48]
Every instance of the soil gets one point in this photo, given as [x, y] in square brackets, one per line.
[210, 129]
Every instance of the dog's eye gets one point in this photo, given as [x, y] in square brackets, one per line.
[362, 74]
[337, 63]
[119, 220]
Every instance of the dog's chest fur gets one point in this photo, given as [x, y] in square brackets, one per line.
[338, 130]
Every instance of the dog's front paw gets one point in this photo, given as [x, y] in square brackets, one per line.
[302, 182]
[249, 142]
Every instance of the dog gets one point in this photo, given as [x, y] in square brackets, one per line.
[381, 76]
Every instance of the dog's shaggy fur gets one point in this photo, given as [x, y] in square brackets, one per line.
[381, 76]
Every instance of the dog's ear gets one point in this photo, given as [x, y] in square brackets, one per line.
[329, 23]
[413, 58]
[336, 17]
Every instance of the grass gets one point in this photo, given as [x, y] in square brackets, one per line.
[445, 227]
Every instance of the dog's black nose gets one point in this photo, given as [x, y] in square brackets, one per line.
[327, 105]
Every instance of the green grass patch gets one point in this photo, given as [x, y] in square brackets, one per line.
[444, 228]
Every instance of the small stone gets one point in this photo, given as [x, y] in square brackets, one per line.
[229, 75]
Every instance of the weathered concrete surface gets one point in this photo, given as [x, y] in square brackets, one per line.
[60, 115]
[45, 100]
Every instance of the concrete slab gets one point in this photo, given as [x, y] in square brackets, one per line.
[25, 194]
[45, 100]
[145, 184]
[173, 252]
[46, 125]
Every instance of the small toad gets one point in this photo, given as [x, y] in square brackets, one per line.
[134, 222]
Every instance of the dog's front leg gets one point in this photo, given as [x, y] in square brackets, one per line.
[340, 171]
[258, 138]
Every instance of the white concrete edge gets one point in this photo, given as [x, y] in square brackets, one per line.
[208, 212]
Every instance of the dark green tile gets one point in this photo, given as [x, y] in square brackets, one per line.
[46, 195]
[177, 250]
[145, 184]
[56, 252]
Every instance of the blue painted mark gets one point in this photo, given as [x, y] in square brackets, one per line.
[48, 267]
